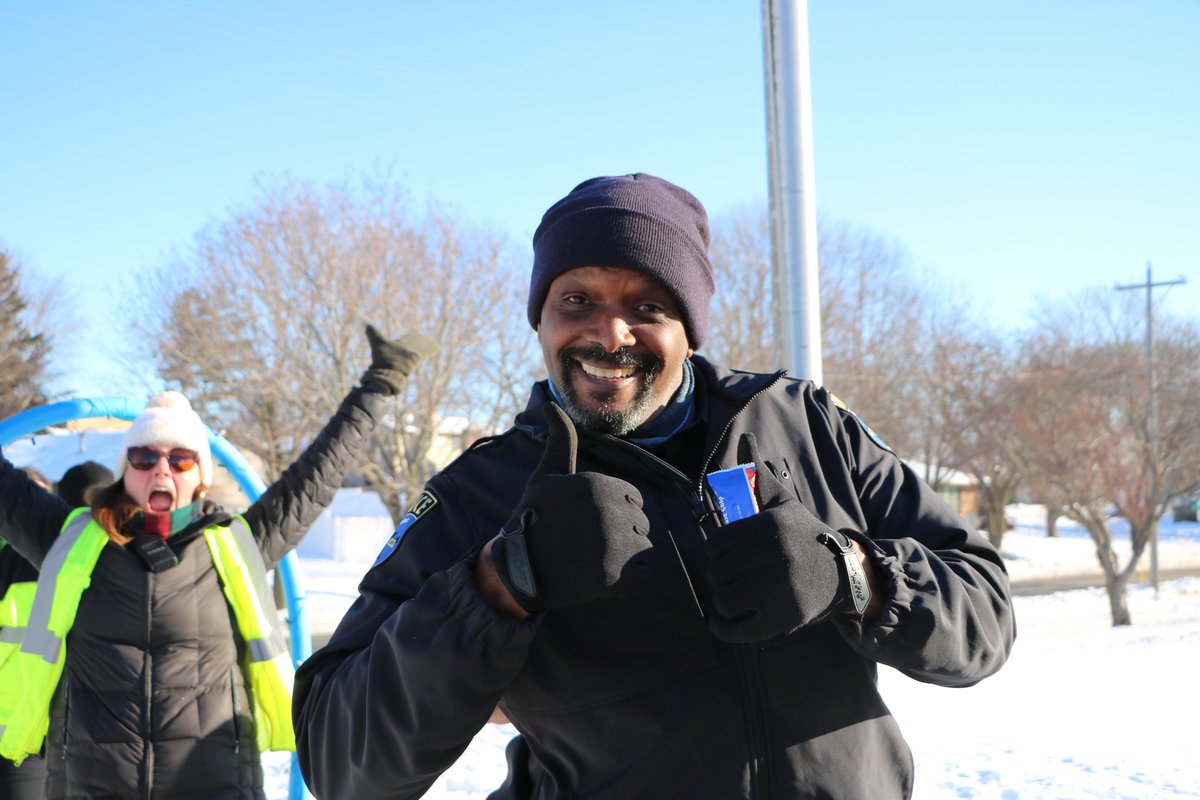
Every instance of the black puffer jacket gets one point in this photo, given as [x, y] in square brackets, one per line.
[152, 702]
[14, 569]
[635, 698]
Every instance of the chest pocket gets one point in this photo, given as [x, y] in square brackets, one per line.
[817, 496]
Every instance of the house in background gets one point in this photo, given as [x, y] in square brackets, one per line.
[957, 488]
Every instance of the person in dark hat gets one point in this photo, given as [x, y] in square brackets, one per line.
[673, 578]
[79, 480]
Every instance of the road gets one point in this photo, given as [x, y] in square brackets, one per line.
[1062, 582]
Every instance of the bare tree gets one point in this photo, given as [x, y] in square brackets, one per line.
[885, 334]
[1176, 411]
[872, 312]
[741, 320]
[949, 357]
[1099, 444]
[261, 322]
[984, 400]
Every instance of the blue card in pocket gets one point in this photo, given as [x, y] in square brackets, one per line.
[733, 489]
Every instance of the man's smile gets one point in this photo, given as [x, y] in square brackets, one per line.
[606, 373]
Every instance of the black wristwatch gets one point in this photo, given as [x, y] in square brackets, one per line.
[856, 576]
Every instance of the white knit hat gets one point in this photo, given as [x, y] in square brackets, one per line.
[169, 421]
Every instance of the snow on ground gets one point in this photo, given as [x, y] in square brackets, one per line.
[1081, 710]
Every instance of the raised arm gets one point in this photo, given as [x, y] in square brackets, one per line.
[30, 516]
[286, 510]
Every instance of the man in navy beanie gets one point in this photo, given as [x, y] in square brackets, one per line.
[674, 579]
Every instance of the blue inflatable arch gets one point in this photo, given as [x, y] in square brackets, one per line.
[33, 420]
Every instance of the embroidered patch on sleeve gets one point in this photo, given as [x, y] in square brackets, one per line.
[871, 434]
[425, 501]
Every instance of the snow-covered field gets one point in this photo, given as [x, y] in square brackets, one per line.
[1081, 710]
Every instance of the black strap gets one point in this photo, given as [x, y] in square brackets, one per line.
[155, 552]
[856, 576]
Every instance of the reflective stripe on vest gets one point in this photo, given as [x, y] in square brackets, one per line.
[243, 576]
[38, 664]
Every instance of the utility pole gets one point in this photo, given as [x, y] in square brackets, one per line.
[791, 184]
[1151, 426]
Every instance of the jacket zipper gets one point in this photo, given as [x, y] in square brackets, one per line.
[62, 742]
[237, 719]
[148, 690]
[729, 425]
[683, 484]
[745, 655]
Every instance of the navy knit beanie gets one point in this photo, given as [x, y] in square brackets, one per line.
[638, 222]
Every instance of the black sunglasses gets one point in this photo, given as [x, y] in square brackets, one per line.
[144, 458]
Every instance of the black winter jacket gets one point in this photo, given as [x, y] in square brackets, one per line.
[152, 702]
[14, 569]
[635, 698]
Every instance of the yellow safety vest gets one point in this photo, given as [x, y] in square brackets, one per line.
[14, 612]
[37, 666]
[14, 617]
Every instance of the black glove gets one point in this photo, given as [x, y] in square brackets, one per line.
[574, 537]
[393, 361]
[775, 571]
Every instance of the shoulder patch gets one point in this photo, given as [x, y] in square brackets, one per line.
[871, 434]
[425, 501]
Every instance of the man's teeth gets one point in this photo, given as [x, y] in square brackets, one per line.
[598, 372]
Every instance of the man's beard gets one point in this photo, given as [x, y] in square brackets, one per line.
[602, 415]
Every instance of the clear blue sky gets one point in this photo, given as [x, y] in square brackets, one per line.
[1022, 149]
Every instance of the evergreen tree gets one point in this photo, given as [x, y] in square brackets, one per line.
[23, 353]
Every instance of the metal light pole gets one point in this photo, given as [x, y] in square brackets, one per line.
[1151, 424]
[793, 208]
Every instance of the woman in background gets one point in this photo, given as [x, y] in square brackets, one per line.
[153, 656]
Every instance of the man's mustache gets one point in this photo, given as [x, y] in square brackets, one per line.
[618, 359]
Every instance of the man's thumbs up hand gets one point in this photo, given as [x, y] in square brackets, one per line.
[574, 537]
